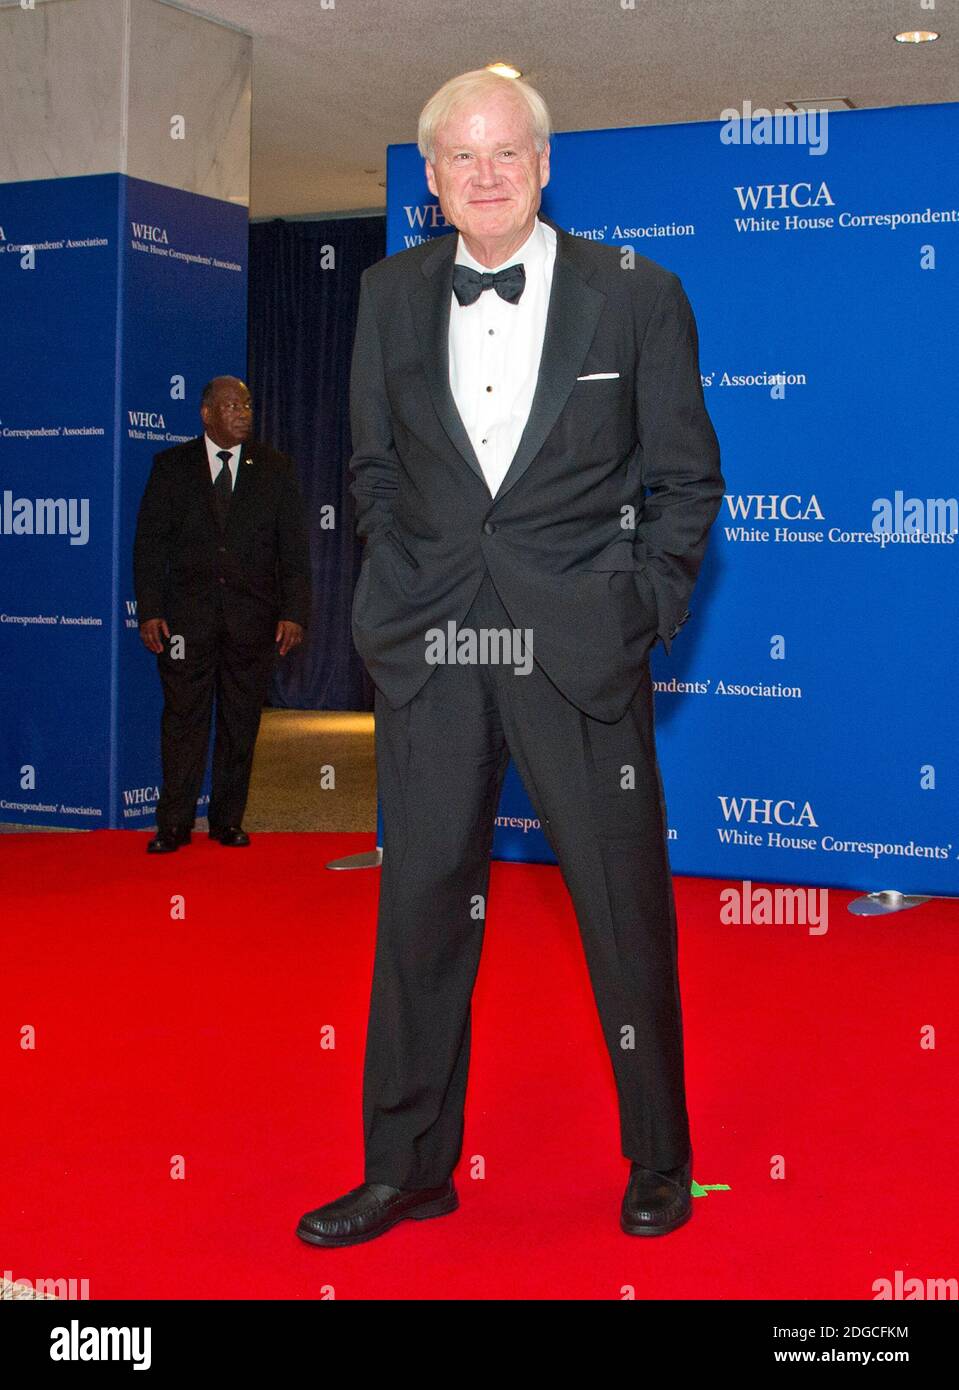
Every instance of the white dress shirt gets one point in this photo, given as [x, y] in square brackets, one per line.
[495, 351]
[216, 463]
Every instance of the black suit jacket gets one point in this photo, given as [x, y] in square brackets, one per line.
[595, 594]
[180, 555]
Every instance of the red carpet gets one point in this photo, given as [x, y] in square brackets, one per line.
[204, 1038]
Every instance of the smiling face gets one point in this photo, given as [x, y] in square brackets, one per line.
[488, 176]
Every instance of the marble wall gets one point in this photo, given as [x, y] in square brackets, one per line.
[136, 87]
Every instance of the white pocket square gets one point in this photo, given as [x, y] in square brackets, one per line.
[599, 376]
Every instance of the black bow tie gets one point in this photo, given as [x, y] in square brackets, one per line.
[469, 284]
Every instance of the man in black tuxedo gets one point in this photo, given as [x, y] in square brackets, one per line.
[222, 581]
[532, 459]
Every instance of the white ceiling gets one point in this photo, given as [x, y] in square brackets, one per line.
[332, 87]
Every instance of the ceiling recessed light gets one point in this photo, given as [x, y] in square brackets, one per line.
[503, 69]
[916, 36]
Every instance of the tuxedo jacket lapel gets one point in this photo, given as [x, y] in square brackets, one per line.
[204, 481]
[430, 306]
[571, 319]
[244, 475]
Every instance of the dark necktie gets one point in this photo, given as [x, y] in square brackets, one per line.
[469, 284]
[223, 487]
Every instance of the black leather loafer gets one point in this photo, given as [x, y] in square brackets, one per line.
[655, 1203]
[234, 837]
[166, 841]
[372, 1208]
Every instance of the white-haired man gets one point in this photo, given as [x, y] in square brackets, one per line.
[532, 456]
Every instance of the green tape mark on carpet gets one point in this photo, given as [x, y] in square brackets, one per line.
[703, 1190]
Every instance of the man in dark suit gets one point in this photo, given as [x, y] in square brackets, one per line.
[532, 458]
[222, 582]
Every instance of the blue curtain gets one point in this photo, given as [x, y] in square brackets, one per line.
[304, 287]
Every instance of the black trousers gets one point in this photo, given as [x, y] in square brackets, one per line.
[237, 674]
[441, 759]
